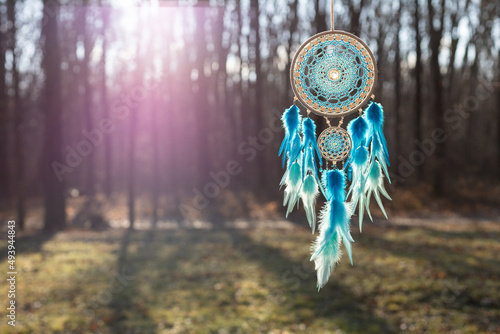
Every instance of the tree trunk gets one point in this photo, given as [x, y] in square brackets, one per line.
[294, 22]
[381, 52]
[4, 117]
[397, 84]
[87, 97]
[355, 13]
[108, 181]
[202, 104]
[18, 118]
[156, 159]
[55, 214]
[418, 83]
[131, 168]
[436, 35]
[498, 114]
[171, 123]
[132, 135]
[155, 138]
[259, 107]
[320, 18]
[244, 99]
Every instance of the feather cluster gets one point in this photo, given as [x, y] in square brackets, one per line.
[301, 177]
[368, 156]
[365, 167]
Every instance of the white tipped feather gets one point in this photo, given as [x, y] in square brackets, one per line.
[326, 248]
[292, 181]
[308, 193]
[333, 228]
[375, 186]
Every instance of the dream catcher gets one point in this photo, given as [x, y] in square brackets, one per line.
[333, 75]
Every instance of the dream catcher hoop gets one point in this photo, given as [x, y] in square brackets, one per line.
[334, 74]
[334, 144]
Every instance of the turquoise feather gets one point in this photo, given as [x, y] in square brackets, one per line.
[291, 123]
[333, 227]
[290, 150]
[358, 130]
[310, 147]
[360, 165]
[375, 118]
[308, 193]
[375, 186]
[309, 131]
[292, 181]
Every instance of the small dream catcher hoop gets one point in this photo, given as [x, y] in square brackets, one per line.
[334, 74]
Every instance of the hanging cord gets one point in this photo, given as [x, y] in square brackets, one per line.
[331, 15]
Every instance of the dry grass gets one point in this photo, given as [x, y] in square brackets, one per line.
[420, 276]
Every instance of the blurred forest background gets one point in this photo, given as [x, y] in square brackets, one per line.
[142, 138]
[151, 101]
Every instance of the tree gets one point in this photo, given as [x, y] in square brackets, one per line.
[84, 35]
[18, 117]
[293, 18]
[108, 180]
[498, 114]
[436, 34]
[203, 108]
[4, 114]
[55, 213]
[418, 81]
[320, 18]
[355, 15]
[397, 81]
[259, 82]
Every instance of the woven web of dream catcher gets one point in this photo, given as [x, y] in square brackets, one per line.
[334, 144]
[333, 73]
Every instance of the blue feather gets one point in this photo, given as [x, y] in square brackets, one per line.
[375, 117]
[359, 160]
[360, 156]
[334, 227]
[360, 163]
[295, 148]
[293, 182]
[309, 130]
[308, 162]
[375, 114]
[358, 130]
[310, 146]
[335, 183]
[379, 153]
[375, 185]
[291, 123]
[310, 166]
[308, 193]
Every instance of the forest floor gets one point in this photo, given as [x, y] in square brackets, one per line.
[409, 275]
